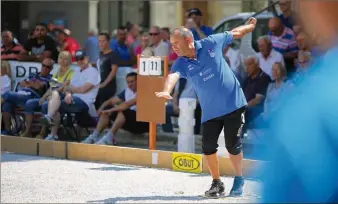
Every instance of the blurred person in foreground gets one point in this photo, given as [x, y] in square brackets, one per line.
[202, 62]
[303, 146]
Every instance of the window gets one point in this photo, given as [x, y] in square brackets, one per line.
[260, 30]
[227, 26]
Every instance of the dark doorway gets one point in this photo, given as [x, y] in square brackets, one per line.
[10, 16]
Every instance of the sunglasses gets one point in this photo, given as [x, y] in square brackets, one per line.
[151, 34]
[79, 58]
[47, 66]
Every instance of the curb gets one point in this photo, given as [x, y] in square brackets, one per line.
[115, 154]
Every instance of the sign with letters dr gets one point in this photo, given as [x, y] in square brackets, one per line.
[191, 163]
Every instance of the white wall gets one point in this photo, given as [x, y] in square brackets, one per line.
[164, 14]
[75, 12]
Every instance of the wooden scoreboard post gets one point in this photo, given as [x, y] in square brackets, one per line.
[152, 72]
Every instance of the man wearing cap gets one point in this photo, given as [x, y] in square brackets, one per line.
[78, 97]
[67, 43]
[194, 23]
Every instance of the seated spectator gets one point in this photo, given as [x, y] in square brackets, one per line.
[40, 46]
[78, 97]
[160, 48]
[60, 79]
[66, 42]
[267, 55]
[144, 48]
[275, 88]
[297, 29]
[234, 62]
[34, 87]
[284, 41]
[303, 42]
[194, 23]
[302, 64]
[183, 89]
[120, 47]
[108, 65]
[92, 47]
[303, 61]
[123, 115]
[9, 49]
[288, 16]
[254, 88]
[165, 35]
[6, 82]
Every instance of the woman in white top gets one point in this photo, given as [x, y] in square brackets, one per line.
[6, 82]
[276, 87]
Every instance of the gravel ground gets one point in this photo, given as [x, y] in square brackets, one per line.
[30, 179]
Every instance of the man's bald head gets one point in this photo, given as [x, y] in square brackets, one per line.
[183, 32]
[276, 26]
[182, 41]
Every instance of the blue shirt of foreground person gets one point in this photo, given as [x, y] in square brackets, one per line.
[303, 134]
[220, 95]
[303, 147]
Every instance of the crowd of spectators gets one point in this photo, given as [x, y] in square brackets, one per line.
[90, 89]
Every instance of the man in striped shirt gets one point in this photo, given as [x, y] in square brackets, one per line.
[283, 40]
[10, 49]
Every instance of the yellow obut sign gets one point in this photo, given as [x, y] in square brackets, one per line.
[187, 162]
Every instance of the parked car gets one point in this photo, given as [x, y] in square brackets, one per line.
[233, 21]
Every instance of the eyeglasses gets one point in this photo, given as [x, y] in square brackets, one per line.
[47, 66]
[151, 34]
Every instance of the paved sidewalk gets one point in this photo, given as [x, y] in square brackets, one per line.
[30, 179]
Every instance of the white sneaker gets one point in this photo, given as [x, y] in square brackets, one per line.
[91, 139]
[51, 138]
[105, 140]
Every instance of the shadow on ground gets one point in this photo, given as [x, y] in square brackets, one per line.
[11, 157]
[145, 198]
[114, 168]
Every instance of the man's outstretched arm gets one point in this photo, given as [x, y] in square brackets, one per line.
[240, 31]
[168, 85]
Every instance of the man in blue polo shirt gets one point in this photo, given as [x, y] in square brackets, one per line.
[194, 23]
[219, 92]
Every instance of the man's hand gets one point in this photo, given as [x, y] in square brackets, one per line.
[68, 99]
[41, 101]
[99, 111]
[102, 85]
[165, 95]
[240, 31]
[108, 112]
[67, 89]
[21, 57]
[252, 21]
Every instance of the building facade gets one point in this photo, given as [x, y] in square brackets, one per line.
[80, 16]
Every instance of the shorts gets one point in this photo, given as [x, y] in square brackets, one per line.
[131, 125]
[232, 124]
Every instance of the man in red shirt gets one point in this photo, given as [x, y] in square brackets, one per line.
[67, 43]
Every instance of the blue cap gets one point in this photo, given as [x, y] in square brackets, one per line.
[80, 55]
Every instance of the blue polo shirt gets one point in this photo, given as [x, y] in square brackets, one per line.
[122, 50]
[216, 86]
[205, 29]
